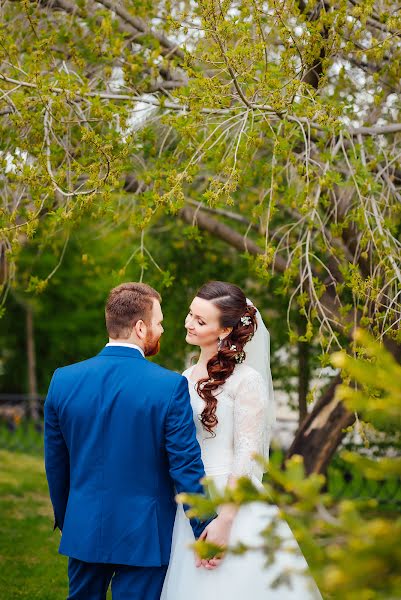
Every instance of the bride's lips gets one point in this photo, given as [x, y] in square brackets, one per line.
[189, 333]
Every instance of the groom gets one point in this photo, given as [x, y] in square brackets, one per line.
[119, 443]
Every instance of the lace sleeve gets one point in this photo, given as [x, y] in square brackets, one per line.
[249, 426]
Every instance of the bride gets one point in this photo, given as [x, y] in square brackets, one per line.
[232, 401]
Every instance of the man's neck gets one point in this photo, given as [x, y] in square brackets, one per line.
[128, 343]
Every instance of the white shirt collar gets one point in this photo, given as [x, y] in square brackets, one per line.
[126, 344]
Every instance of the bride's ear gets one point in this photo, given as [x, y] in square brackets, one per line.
[225, 333]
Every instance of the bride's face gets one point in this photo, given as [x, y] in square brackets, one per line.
[203, 323]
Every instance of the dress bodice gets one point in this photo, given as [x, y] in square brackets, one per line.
[239, 434]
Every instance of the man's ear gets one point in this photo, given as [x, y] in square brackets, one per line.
[140, 329]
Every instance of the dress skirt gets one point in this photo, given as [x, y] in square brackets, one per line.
[239, 577]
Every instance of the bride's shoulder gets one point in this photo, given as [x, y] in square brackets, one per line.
[187, 371]
[242, 369]
[246, 385]
[245, 374]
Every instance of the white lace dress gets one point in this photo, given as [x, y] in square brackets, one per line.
[239, 434]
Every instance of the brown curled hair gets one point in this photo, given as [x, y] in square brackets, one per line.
[232, 304]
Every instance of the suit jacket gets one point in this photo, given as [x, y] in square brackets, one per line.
[119, 443]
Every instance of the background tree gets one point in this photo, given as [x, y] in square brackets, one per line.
[273, 126]
[69, 316]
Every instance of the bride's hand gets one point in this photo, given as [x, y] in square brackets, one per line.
[218, 533]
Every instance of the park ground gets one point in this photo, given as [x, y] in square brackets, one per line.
[30, 566]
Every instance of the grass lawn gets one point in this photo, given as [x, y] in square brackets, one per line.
[30, 566]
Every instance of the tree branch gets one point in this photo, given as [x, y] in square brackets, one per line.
[225, 233]
[353, 131]
[224, 213]
[374, 21]
[6, 111]
[138, 24]
[69, 7]
[236, 240]
[380, 130]
[128, 24]
[315, 70]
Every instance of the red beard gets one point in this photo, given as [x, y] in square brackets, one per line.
[152, 346]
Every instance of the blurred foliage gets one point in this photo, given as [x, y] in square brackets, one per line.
[278, 121]
[68, 307]
[355, 549]
[278, 125]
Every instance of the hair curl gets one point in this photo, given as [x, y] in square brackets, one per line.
[232, 304]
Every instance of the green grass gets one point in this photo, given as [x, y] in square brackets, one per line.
[30, 566]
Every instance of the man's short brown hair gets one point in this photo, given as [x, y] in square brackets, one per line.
[128, 303]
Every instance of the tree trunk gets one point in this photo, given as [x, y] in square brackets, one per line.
[3, 265]
[321, 432]
[31, 360]
[303, 349]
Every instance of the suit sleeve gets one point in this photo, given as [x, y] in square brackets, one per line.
[57, 460]
[184, 455]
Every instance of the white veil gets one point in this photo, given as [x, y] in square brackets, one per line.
[257, 352]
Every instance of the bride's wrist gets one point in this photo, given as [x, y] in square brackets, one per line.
[227, 513]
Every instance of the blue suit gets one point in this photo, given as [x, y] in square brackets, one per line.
[120, 442]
